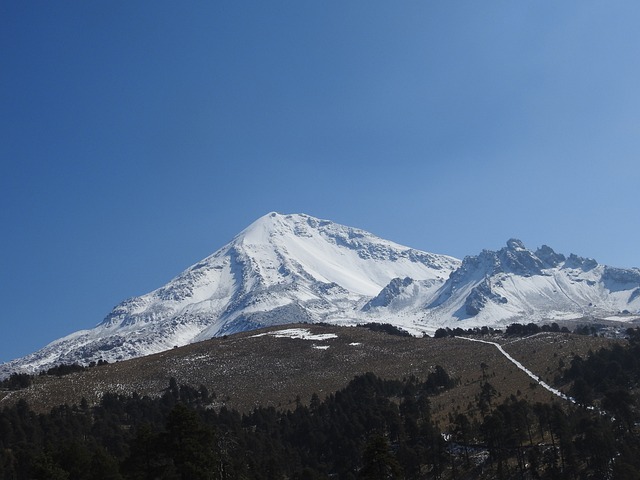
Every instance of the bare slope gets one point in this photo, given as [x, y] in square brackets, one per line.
[274, 366]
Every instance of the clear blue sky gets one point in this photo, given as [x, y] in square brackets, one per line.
[138, 137]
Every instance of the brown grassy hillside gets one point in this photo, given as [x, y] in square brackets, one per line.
[250, 369]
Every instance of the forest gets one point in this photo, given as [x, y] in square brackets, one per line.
[374, 428]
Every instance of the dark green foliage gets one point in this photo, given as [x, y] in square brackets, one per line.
[61, 370]
[607, 377]
[458, 332]
[515, 329]
[519, 330]
[378, 462]
[438, 380]
[587, 329]
[45, 468]
[442, 333]
[189, 444]
[386, 328]
[177, 436]
[16, 381]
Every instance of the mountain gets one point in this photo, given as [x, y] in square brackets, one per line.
[286, 269]
[517, 284]
[281, 269]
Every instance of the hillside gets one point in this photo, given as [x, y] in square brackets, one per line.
[274, 366]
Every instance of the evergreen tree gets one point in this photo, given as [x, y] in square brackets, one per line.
[378, 463]
[190, 444]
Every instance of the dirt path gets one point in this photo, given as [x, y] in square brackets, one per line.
[544, 385]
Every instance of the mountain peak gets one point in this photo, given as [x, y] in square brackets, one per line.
[279, 224]
[549, 256]
[515, 245]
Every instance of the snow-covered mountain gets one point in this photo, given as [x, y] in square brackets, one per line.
[296, 268]
[281, 269]
[517, 284]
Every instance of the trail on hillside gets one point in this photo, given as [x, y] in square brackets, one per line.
[540, 382]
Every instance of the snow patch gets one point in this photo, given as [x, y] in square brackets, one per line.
[300, 333]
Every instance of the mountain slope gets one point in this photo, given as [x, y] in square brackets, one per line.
[517, 284]
[270, 367]
[281, 269]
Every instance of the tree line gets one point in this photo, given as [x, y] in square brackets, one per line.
[515, 329]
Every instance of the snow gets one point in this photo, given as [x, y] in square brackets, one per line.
[622, 318]
[299, 333]
[332, 253]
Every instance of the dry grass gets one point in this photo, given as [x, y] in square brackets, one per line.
[543, 354]
[246, 371]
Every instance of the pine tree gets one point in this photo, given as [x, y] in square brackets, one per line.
[378, 463]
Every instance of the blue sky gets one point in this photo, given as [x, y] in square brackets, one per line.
[138, 137]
